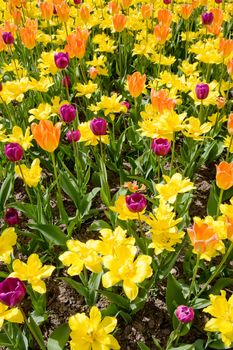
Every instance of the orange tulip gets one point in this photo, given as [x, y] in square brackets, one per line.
[136, 83]
[46, 134]
[63, 11]
[230, 124]
[224, 175]
[28, 33]
[161, 33]
[165, 17]
[113, 7]
[215, 26]
[203, 237]
[147, 10]
[119, 22]
[85, 13]
[125, 4]
[161, 101]
[186, 10]
[220, 102]
[76, 43]
[230, 67]
[229, 224]
[226, 47]
[16, 14]
[46, 10]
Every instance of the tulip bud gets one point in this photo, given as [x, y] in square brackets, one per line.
[207, 18]
[220, 102]
[202, 91]
[1, 86]
[77, 2]
[147, 10]
[99, 126]
[61, 60]
[167, 2]
[126, 104]
[13, 151]
[8, 38]
[136, 202]
[68, 113]
[73, 135]
[230, 124]
[161, 147]
[218, 1]
[66, 82]
[93, 71]
[184, 313]
[11, 217]
[224, 175]
[12, 291]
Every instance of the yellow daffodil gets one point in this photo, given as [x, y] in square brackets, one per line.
[207, 52]
[16, 68]
[124, 267]
[41, 85]
[213, 119]
[97, 61]
[86, 89]
[42, 112]
[104, 42]
[47, 64]
[110, 240]
[80, 255]
[108, 105]
[222, 311]
[92, 333]
[88, 137]
[165, 234]
[173, 186]
[194, 129]
[13, 315]
[31, 176]
[228, 144]
[121, 209]
[18, 136]
[7, 240]
[189, 68]
[227, 209]
[14, 90]
[3, 136]
[33, 272]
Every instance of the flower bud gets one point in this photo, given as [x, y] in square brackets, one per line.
[136, 202]
[202, 91]
[61, 60]
[73, 135]
[66, 82]
[184, 313]
[12, 291]
[8, 38]
[218, 1]
[13, 151]
[167, 2]
[126, 104]
[230, 124]
[11, 217]
[224, 175]
[161, 147]
[207, 18]
[99, 126]
[68, 113]
[93, 71]
[220, 102]
[1, 86]
[77, 2]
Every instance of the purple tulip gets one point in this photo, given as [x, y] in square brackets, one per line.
[160, 147]
[126, 104]
[61, 60]
[77, 2]
[68, 113]
[207, 18]
[13, 151]
[136, 202]
[66, 82]
[218, 1]
[99, 126]
[73, 135]
[8, 38]
[11, 217]
[202, 91]
[12, 291]
[1, 86]
[166, 2]
[184, 313]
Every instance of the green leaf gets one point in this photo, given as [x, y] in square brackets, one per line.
[4, 340]
[51, 232]
[59, 337]
[86, 202]
[70, 188]
[174, 295]
[93, 286]
[29, 210]
[77, 286]
[201, 303]
[184, 347]
[35, 330]
[98, 225]
[221, 284]
[5, 190]
[117, 299]
[212, 204]
[142, 346]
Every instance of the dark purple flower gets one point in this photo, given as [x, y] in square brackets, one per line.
[73, 135]
[218, 1]
[66, 82]
[99, 126]
[207, 18]
[12, 291]
[68, 113]
[77, 2]
[8, 38]
[11, 217]
[126, 104]
[202, 91]
[1, 86]
[184, 313]
[13, 151]
[166, 2]
[160, 146]
[61, 60]
[136, 202]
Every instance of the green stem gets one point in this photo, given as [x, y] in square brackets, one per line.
[219, 201]
[194, 276]
[158, 169]
[56, 175]
[173, 155]
[201, 116]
